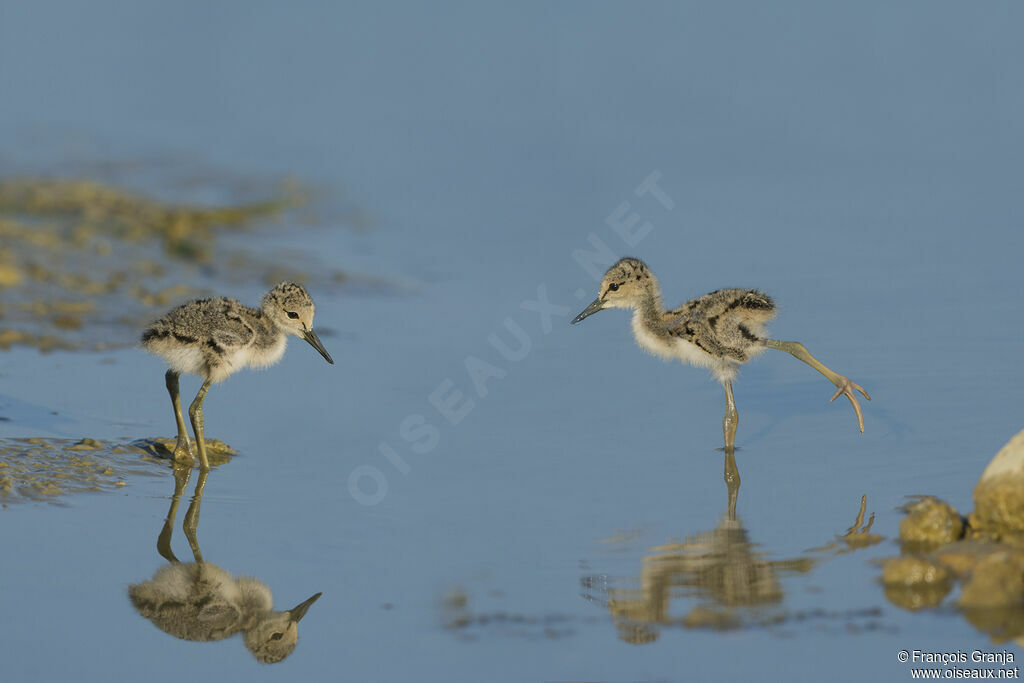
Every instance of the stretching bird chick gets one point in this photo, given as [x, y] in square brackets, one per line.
[213, 338]
[720, 331]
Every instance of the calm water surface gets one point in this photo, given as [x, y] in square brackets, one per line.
[861, 165]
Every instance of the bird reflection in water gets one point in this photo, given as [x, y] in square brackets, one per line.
[199, 601]
[857, 536]
[718, 568]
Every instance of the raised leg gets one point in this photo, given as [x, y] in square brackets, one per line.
[731, 419]
[181, 453]
[844, 387]
[195, 413]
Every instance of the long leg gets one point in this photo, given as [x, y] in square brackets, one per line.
[181, 453]
[163, 541]
[195, 413]
[844, 387]
[732, 482]
[731, 419]
[191, 523]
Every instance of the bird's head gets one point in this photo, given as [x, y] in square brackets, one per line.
[275, 636]
[290, 308]
[627, 284]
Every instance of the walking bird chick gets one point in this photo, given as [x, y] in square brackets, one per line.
[720, 331]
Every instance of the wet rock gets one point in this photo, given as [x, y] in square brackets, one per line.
[915, 583]
[997, 580]
[999, 494]
[960, 557]
[930, 522]
[915, 598]
[992, 599]
[1000, 623]
[988, 558]
[912, 570]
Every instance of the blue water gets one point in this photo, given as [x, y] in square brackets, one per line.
[861, 164]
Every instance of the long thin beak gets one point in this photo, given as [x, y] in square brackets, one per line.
[314, 341]
[593, 308]
[296, 613]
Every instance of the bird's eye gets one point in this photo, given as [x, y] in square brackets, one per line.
[293, 315]
[277, 636]
[614, 287]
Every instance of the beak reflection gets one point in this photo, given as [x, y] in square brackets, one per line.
[296, 613]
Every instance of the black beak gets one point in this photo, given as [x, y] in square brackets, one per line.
[296, 613]
[314, 341]
[593, 308]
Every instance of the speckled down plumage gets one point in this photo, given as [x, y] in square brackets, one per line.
[720, 331]
[215, 337]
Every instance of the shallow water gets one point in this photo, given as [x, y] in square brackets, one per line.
[859, 165]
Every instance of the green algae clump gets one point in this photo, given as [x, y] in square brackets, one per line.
[217, 452]
[38, 469]
[83, 265]
[95, 209]
[49, 469]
